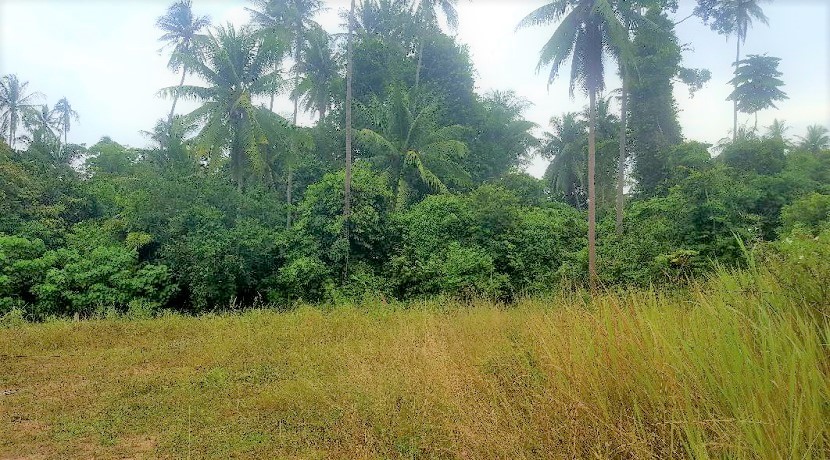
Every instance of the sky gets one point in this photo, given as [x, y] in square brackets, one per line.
[104, 57]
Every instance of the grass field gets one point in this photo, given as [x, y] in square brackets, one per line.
[735, 368]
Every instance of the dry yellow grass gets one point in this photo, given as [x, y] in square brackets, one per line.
[729, 371]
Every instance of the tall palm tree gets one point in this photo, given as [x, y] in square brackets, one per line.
[391, 20]
[347, 186]
[65, 114]
[630, 13]
[587, 31]
[427, 17]
[816, 139]
[413, 149]
[732, 17]
[320, 72]
[237, 66]
[42, 124]
[565, 146]
[294, 19]
[15, 101]
[181, 31]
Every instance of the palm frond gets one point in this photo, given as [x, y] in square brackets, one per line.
[413, 159]
[560, 46]
[544, 14]
[373, 140]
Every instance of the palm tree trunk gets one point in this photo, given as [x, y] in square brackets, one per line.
[297, 72]
[592, 202]
[290, 173]
[735, 102]
[621, 166]
[176, 96]
[420, 62]
[12, 130]
[347, 186]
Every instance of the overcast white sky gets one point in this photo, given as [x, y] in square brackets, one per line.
[103, 56]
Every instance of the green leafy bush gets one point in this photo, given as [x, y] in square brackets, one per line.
[76, 279]
[810, 214]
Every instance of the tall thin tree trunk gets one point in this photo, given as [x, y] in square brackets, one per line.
[176, 97]
[347, 186]
[735, 102]
[621, 166]
[12, 130]
[592, 202]
[290, 174]
[297, 50]
[420, 62]
[271, 104]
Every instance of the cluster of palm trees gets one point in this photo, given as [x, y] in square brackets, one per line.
[588, 32]
[20, 108]
[239, 65]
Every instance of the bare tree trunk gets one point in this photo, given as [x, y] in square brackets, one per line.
[592, 202]
[621, 167]
[735, 102]
[12, 130]
[420, 62]
[297, 51]
[347, 186]
[176, 97]
[290, 174]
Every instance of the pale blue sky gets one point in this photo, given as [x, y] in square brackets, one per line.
[103, 56]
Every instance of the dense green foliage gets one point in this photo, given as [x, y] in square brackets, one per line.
[204, 218]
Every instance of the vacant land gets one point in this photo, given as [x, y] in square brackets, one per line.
[730, 369]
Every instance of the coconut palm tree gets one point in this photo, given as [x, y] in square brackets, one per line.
[778, 131]
[237, 66]
[347, 186]
[63, 110]
[426, 17]
[816, 139]
[391, 20]
[565, 146]
[171, 145]
[414, 150]
[732, 17]
[588, 30]
[320, 73]
[15, 102]
[42, 124]
[293, 19]
[630, 13]
[181, 32]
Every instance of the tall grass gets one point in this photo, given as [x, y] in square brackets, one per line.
[736, 367]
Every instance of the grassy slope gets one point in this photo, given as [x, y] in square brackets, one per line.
[733, 370]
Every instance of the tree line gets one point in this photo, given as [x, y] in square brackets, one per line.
[409, 184]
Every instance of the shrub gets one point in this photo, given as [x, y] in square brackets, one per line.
[810, 214]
